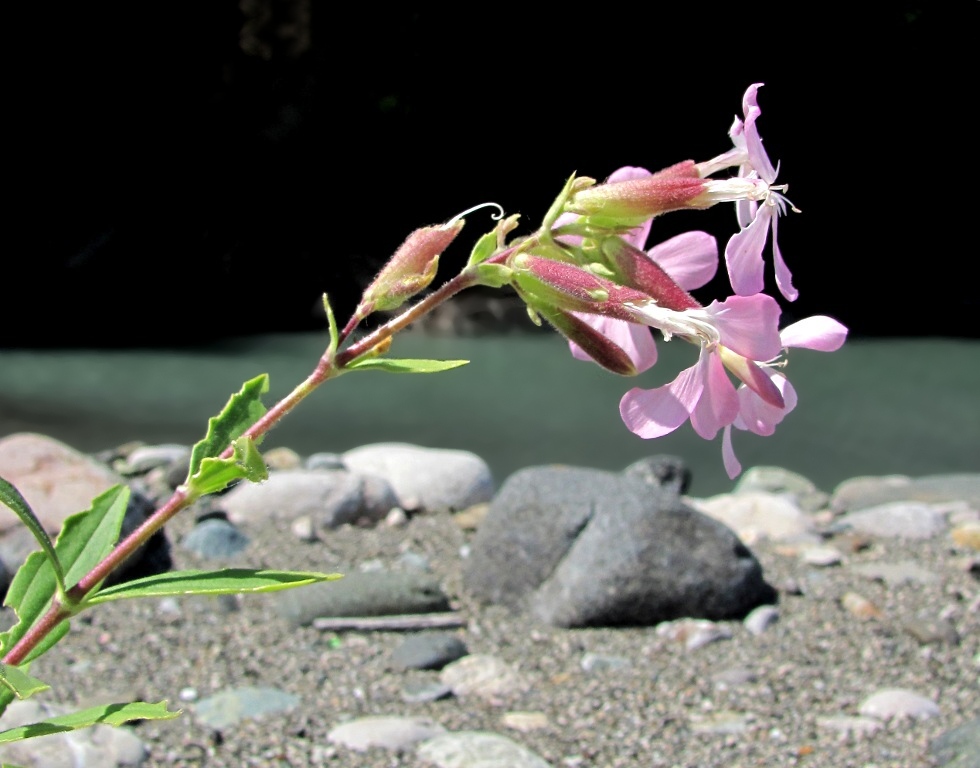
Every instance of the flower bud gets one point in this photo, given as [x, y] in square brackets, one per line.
[643, 273]
[605, 352]
[633, 201]
[410, 270]
[565, 286]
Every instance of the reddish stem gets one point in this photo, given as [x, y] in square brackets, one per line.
[326, 368]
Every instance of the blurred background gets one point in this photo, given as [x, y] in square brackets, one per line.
[284, 148]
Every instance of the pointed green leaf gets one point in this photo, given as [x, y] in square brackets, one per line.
[10, 496]
[250, 460]
[243, 409]
[228, 581]
[332, 326]
[483, 249]
[107, 714]
[217, 474]
[405, 365]
[18, 682]
[85, 539]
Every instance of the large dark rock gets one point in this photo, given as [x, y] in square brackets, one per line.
[583, 547]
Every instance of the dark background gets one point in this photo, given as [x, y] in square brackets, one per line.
[278, 150]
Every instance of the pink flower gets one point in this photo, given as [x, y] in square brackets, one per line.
[743, 254]
[820, 333]
[732, 335]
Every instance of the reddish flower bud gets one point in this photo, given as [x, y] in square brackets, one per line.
[410, 270]
[566, 286]
[636, 200]
[605, 352]
[643, 273]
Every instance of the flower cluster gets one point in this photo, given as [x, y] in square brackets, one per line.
[588, 274]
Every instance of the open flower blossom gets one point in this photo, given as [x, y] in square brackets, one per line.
[820, 333]
[743, 254]
[735, 336]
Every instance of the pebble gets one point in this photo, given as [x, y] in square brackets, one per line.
[822, 557]
[890, 703]
[759, 515]
[228, 707]
[391, 733]
[215, 539]
[483, 676]
[693, 633]
[860, 607]
[761, 618]
[897, 573]
[100, 746]
[477, 749]
[428, 650]
[596, 662]
[525, 721]
[899, 519]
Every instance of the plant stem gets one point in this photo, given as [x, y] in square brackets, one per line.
[329, 366]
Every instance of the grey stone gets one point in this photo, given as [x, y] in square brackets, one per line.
[897, 519]
[897, 573]
[662, 471]
[330, 497]
[428, 650]
[759, 516]
[582, 547]
[392, 733]
[147, 457]
[233, 705]
[477, 749]
[958, 747]
[484, 676]
[890, 703]
[863, 492]
[101, 746]
[215, 538]
[377, 593]
[783, 481]
[430, 479]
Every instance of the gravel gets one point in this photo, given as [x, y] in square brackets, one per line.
[752, 700]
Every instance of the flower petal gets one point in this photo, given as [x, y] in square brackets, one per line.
[760, 417]
[743, 254]
[691, 258]
[732, 465]
[784, 280]
[748, 325]
[658, 412]
[819, 332]
[753, 143]
[635, 340]
[718, 405]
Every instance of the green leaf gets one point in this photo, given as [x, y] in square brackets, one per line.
[10, 496]
[243, 409]
[483, 249]
[229, 581]
[217, 474]
[107, 714]
[18, 682]
[405, 365]
[85, 539]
